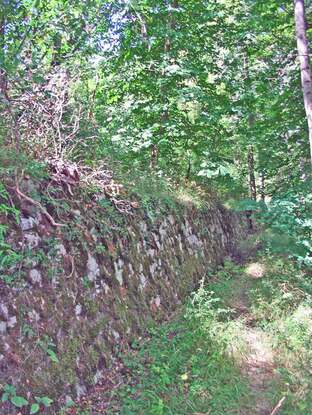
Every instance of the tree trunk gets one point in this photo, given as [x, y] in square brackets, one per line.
[262, 186]
[304, 59]
[154, 156]
[251, 173]
[172, 26]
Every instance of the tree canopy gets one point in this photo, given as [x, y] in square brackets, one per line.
[199, 91]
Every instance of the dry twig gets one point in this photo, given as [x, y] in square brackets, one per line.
[278, 406]
[36, 203]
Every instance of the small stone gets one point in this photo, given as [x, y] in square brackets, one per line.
[106, 287]
[157, 301]
[153, 268]
[93, 268]
[27, 223]
[98, 376]
[119, 270]
[12, 322]
[3, 327]
[78, 310]
[115, 334]
[35, 276]
[33, 315]
[38, 218]
[81, 390]
[32, 240]
[142, 282]
[143, 227]
[93, 232]
[61, 251]
[4, 312]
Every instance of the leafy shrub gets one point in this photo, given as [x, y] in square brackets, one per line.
[288, 223]
[8, 257]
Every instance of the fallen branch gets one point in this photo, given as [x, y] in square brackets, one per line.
[36, 203]
[278, 406]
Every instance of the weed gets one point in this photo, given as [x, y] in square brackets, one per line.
[183, 369]
[8, 257]
[9, 395]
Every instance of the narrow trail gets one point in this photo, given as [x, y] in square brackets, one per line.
[259, 367]
[256, 359]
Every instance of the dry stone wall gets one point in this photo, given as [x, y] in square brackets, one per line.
[85, 290]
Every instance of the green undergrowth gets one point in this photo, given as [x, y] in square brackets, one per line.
[183, 368]
[195, 363]
[155, 193]
[281, 305]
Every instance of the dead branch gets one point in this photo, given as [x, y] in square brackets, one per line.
[36, 203]
[278, 406]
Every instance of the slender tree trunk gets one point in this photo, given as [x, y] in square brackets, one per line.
[172, 26]
[251, 162]
[189, 169]
[3, 78]
[251, 122]
[154, 156]
[251, 174]
[303, 53]
[165, 113]
[262, 186]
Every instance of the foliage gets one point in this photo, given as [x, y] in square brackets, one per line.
[8, 257]
[288, 219]
[9, 394]
[141, 83]
[47, 345]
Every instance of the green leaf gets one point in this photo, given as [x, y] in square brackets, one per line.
[45, 400]
[34, 408]
[19, 401]
[5, 397]
[9, 389]
[52, 356]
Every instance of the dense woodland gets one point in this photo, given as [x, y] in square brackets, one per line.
[190, 92]
[191, 97]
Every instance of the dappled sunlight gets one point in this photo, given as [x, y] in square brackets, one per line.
[255, 270]
[259, 352]
[303, 315]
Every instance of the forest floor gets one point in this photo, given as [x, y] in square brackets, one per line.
[241, 346]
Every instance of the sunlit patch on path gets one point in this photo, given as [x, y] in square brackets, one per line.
[253, 352]
[258, 366]
[255, 270]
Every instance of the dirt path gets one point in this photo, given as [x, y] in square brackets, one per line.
[256, 358]
[258, 366]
